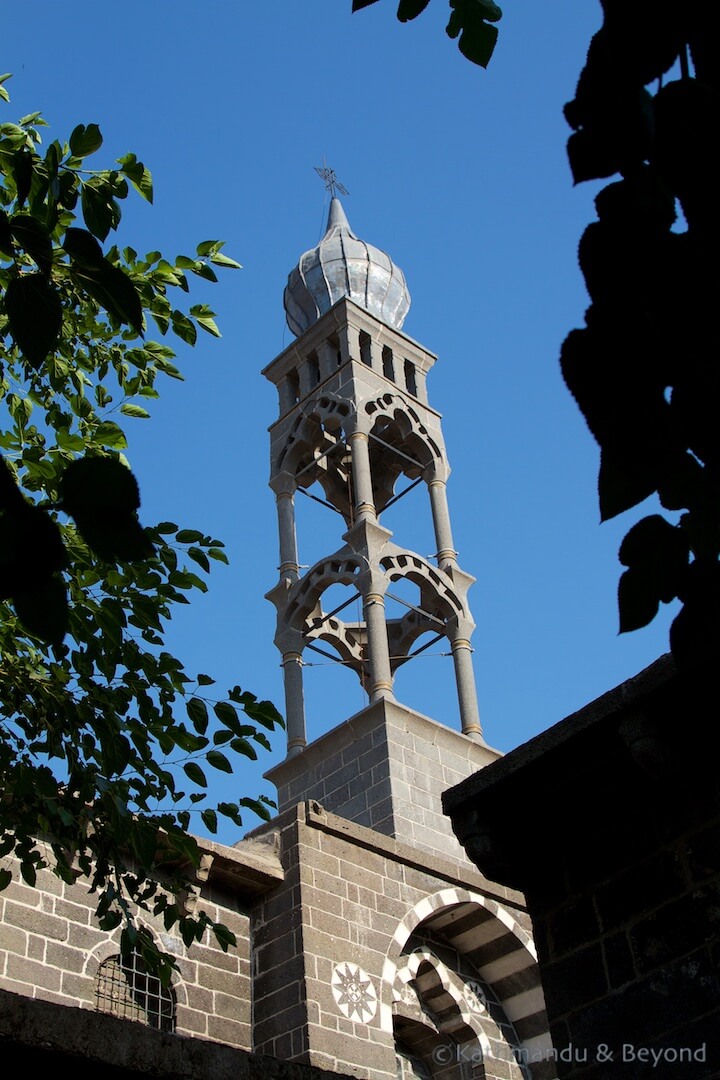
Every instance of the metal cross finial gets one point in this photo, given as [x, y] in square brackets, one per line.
[332, 184]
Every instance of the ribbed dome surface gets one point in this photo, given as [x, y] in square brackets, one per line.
[341, 265]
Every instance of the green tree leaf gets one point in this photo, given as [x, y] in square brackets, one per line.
[195, 773]
[95, 745]
[108, 433]
[198, 713]
[218, 761]
[218, 259]
[138, 175]
[128, 409]
[99, 209]
[85, 140]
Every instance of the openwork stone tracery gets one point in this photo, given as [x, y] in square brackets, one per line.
[356, 426]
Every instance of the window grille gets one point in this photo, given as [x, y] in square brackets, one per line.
[126, 989]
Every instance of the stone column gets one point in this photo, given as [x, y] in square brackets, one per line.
[364, 508]
[294, 702]
[289, 567]
[446, 553]
[465, 679]
[381, 685]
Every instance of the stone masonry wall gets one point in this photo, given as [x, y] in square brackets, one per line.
[350, 902]
[628, 932]
[51, 948]
[619, 860]
[386, 769]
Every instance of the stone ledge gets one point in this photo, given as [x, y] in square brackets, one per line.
[609, 705]
[44, 1036]
[389, 715]
[249, 869]
[315, 816]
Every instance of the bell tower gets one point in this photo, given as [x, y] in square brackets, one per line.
[383, 953]
[355, 418]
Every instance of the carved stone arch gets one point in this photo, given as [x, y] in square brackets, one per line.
[489, 940]
[124, 987]
[315, 449]
[111, 946]
[438, 594]
[392, 407]
[303, 601]
[440, 609]
[473, 1037]
[400, 444]
[348, 639]
[441, 991]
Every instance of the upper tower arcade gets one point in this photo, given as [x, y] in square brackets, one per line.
[354, 416]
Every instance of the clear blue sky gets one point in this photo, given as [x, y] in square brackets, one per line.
[461, 175]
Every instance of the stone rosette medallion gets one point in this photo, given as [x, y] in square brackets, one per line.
[354, 992]
[474, 996]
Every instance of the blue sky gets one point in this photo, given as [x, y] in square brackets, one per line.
[461, 175]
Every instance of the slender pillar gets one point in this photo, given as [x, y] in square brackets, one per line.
[294, 702]
[381, 681]
[362, 478]
[465, 679]
[289, 567]
[447, 555]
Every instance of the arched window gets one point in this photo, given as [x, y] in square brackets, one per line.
[126, 989]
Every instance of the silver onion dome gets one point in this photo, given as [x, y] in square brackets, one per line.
[341, 265]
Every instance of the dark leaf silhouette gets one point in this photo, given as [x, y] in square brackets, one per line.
[31, 550]
[33, 237]
[44, 611]
[34, 314]
[410, 9]
[110, 287]
[22, 167]
[5, 235]
[644, 369]
[83, 248]
[102, 497]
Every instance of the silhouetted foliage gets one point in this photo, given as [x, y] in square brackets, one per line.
[471, 22]
[644, 369]
[104, 738]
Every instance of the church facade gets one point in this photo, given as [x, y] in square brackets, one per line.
[368, 943]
